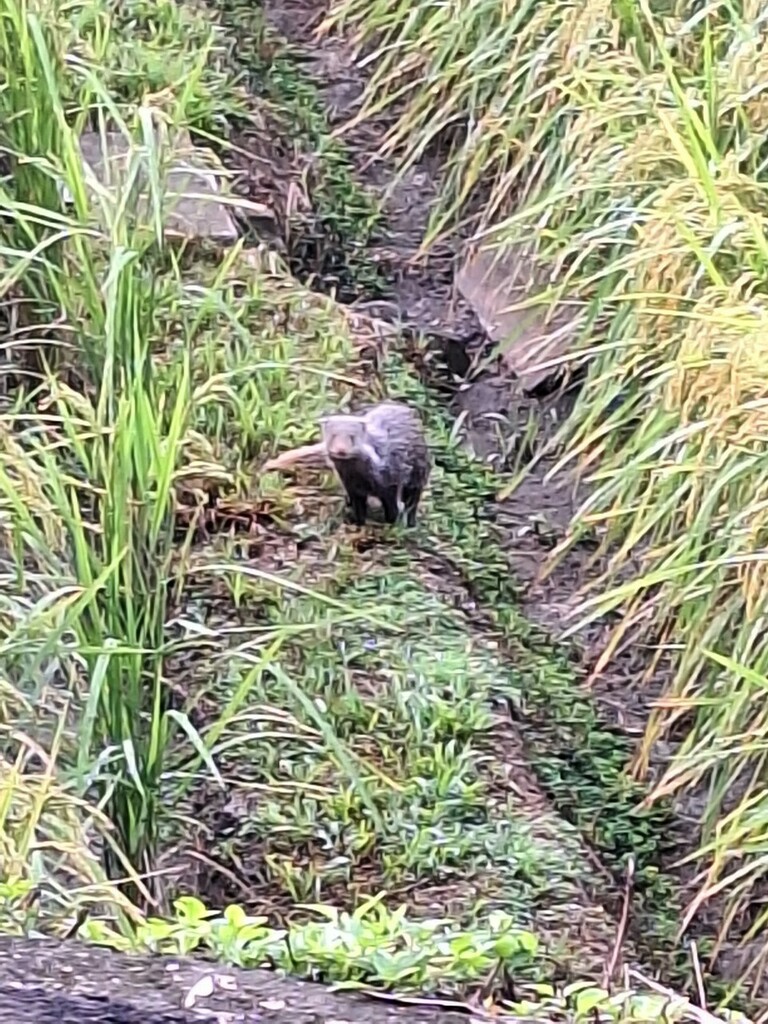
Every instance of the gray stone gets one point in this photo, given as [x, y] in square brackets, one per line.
[47, 982]
[193, 184]
[493, 282]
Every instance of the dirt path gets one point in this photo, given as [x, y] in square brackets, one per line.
[424, 300]
[488, 780]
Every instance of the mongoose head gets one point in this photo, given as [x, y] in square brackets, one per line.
[343, 436]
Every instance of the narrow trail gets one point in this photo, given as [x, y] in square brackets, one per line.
[532, 761]
[424, 300]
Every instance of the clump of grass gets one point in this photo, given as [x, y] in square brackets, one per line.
[174, 56]
[91, 456]
[638, 167]
[166, 368]
[105, 468]
[51, 835]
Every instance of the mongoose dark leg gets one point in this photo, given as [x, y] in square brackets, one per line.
[358, 508]
[411, 499]
[389, 504]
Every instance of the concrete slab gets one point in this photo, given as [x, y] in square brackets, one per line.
[493, 281]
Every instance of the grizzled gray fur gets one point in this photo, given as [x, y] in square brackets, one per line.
[380, 453]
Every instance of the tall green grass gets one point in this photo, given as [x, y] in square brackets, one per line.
[630, 145]
[141, 370]
[124, 354]
[86, 484]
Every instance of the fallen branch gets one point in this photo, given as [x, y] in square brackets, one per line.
[311, 455]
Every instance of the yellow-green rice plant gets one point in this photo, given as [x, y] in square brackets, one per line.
[50, 836]
[679, 470]
[105, 468]
[495, 79]
[31, 112]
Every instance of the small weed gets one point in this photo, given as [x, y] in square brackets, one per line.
[377, 948]
[372, 944]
